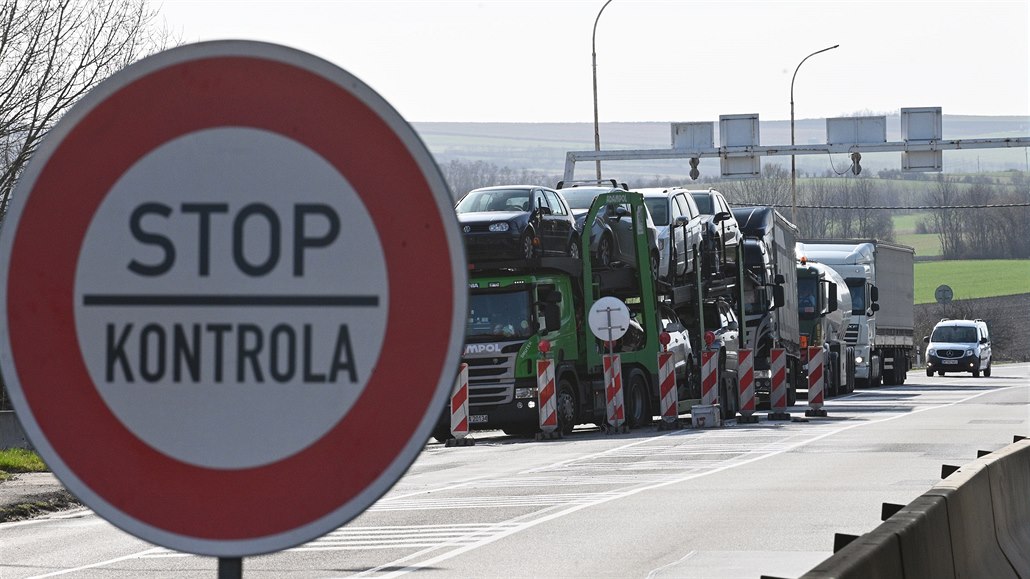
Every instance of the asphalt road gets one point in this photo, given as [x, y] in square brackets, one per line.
[739, 501]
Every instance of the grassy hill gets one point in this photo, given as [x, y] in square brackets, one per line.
[971, 279]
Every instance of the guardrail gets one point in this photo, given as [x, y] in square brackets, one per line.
[974, 523]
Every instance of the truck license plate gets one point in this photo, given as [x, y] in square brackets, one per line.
[478, 418]
[949, 361]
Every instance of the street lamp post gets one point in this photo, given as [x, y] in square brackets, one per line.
[793, 171]
[593, 56]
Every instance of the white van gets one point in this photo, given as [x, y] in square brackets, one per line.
[958, 346]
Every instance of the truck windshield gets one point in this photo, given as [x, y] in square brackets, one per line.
[497, 315]
[856, 286]
[808, 305]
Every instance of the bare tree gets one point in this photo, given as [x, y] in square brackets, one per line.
[772, 189]
[52, 52]
[947, 222]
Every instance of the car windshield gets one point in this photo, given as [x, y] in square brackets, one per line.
[498, 315]
[961, 334]
[494, 200]
[658, 207]
[704, 203]
[579, 198]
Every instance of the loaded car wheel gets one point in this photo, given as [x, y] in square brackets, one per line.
[604, 250]
[526, 245]
[573, 248]
[654, 262]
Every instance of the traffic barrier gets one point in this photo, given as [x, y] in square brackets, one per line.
[1009, 473]
[815, 382]
[546, 400]
[667, 389]
[709, 378]
[778, 385]
[975, 523]
[460, 410]
[613, 391]
[974, 542]
[746, 386]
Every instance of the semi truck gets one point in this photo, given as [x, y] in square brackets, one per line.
[824, 316]
[770, 300]
[880, 279]
[514, 304]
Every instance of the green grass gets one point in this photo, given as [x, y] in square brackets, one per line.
[906, 224]
[969, 279]
[20, 460]
[925, 244]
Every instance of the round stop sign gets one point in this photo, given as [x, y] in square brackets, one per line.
[233, 298]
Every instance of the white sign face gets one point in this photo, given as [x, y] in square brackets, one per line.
[211, 271]
[608, 318]
[214, 233]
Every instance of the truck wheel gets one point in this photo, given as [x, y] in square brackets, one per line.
[442, 434]
[566, 405]
[729, 401]
[638, 407]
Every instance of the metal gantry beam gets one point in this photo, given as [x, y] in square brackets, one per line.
[572, 157]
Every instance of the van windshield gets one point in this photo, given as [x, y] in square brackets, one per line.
[962, 334]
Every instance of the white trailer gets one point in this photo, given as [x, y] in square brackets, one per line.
[880, 277]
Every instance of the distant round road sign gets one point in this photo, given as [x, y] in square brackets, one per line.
[943, 294]
[233, 298]
[608, 318]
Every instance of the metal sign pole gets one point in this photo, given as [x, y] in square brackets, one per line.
[230, 568]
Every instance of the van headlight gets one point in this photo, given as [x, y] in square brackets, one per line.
[931, 352]
[969, 352]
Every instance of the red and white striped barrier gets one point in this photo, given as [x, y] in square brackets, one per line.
[667, 388]
[613, 390]
[547, 399]
[746, 386]
[778, 384]
[815, 382]
[709, 378]
[460, 409]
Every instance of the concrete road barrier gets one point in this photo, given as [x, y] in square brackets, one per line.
[974, 542]
[1009, 472]
[974, 523]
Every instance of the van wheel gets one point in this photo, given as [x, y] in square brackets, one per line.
[976, 373]
[929, 372]
[987, 371]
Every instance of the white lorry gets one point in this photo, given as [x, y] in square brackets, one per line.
[880, 277]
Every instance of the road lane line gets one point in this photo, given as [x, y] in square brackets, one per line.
[511, 530]
[101, 563]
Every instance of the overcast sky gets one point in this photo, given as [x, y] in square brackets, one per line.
[657, 60]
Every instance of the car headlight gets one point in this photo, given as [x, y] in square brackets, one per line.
[498, 227]
[969, 352]
[859, 359]
[931, 352]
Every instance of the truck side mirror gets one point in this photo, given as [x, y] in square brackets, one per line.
[874, 294]
[779, 279]
[831, 301]
[779, 297]
[875, 308]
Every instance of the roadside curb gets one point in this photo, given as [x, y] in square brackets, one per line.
[28, 495]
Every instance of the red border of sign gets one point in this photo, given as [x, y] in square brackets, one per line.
[134, 478]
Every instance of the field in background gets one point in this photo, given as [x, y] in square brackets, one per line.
[925, 244]
[969, 279]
